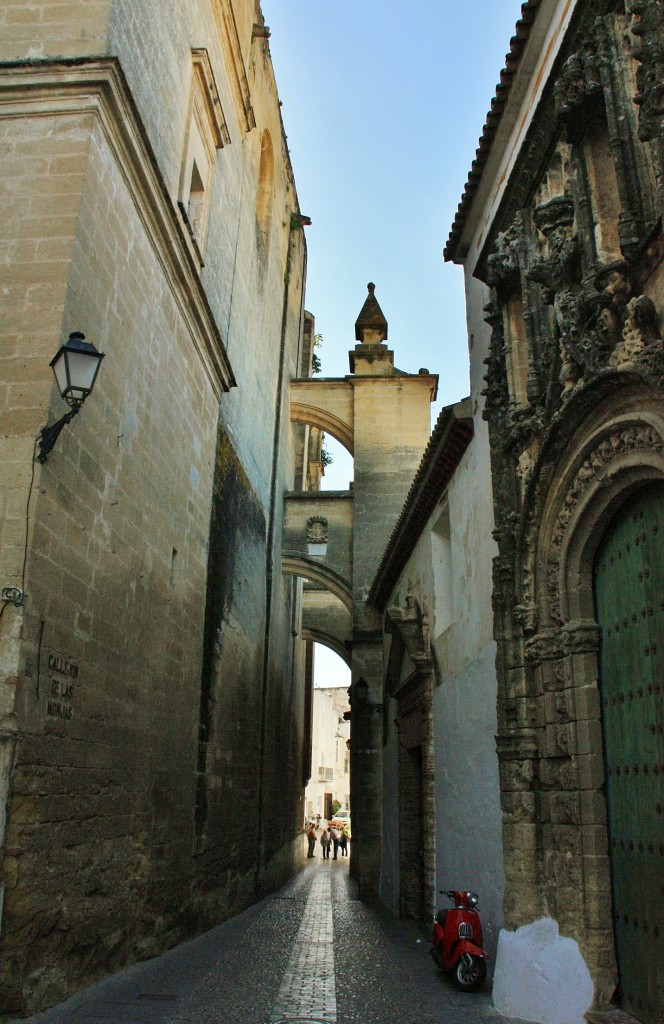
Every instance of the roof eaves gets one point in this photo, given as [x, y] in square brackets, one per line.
[518, 42]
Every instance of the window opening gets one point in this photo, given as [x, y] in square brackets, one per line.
[196, 204]
[441, 552]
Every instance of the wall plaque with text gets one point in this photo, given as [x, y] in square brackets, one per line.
[62, 687]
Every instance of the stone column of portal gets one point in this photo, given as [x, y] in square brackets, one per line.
[391, 430]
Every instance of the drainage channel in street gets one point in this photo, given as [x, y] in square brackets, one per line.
[308, 989]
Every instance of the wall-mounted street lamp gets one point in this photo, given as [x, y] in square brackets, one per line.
[361, 690]
[360, 703]
[75, 366]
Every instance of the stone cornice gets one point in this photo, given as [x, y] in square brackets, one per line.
[234, 62]
[210, 93]
[97, 86]
[314, 496]
[351, 380]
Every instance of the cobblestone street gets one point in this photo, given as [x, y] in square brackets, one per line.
[310, 953]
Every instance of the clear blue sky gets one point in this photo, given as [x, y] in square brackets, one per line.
[383, 105]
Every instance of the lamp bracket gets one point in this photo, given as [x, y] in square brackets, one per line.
[49, 435]
[12, 595]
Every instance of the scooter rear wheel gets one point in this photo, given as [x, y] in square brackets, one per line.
[469, 972]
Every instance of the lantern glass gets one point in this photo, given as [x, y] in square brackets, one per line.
[75, 366]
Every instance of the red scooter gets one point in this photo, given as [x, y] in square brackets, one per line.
[456, 942]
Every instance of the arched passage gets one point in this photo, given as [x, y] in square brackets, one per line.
[325, 421]
[328, 404]
[308, 569]
[317, 636]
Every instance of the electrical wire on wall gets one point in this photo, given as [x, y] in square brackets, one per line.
[27, 515]
[27, 530]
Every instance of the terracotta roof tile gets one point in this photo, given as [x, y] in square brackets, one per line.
[512, 59]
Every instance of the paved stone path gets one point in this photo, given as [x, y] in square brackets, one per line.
[308, 988]
[310, 954]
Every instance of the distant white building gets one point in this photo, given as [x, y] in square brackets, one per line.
[330, 756]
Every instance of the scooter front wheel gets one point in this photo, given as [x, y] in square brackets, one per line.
[469, 972]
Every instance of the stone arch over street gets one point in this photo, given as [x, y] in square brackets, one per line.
[336, 539]
[337, 424]
[327, 578]
[331, 642]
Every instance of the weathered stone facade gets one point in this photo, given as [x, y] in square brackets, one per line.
[572, 263]
[441, 796]
[152, 680]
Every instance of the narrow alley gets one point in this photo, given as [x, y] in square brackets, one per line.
[311, 953]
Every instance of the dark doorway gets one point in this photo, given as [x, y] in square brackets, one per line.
[629, 596]
[411, 833]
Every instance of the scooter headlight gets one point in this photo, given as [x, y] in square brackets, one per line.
[473, 899]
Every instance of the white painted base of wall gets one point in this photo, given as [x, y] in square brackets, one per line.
[541, 976]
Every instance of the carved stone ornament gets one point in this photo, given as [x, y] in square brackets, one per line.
[562, 704]
[637, 436]
[526, 614]
[554, 214]
[525, 465]
[503, 262]
[559, 273]
[562, 773]
[647, 19]
[602, 313]
[640, 330]
[591, 321]
[580, 637]
[545, 646]
[502, 271]
[317, 528]
[412, 621]
[517, 775]
[578, 81]
[496, 395]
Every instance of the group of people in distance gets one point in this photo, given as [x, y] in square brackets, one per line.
[334, 837]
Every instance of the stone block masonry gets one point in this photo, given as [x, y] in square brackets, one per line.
[116, 567]
[133, 680]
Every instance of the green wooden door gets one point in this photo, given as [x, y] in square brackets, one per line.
[629, 593]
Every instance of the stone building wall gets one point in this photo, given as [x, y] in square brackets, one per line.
[151, 698]
[445, 548]
[562, 249]
[330, 771]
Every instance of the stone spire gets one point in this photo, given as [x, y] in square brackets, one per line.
[371, 325]
[371, 358]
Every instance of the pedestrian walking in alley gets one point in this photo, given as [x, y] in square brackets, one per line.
[334, 836]
[343, 843]
[325, 843]
[311, 838]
